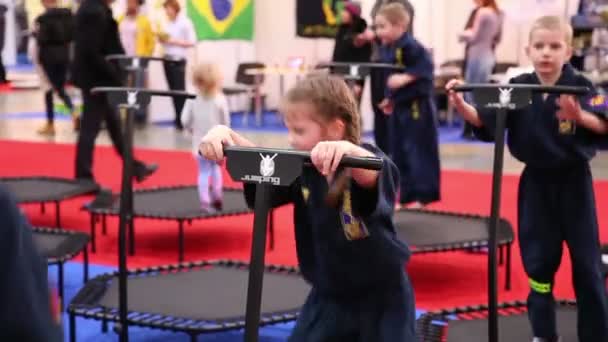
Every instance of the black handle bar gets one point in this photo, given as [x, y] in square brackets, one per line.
[360, 65]
[152, 92]
[370, 163]
[533, 87]
[143, 58]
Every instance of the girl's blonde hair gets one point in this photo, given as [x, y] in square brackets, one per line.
[332, 99]
[207, 78]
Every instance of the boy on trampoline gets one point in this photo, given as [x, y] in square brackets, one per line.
[348, 252]
[199, 115]
[555, 137]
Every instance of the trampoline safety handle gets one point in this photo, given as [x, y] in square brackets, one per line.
[370, 163]
[572, 90]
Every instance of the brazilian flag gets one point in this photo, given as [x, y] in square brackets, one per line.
[222, 19]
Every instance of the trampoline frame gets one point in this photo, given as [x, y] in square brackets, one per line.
[101, 213]
[55, 199]
[430, 327]
[60, 261]
[82, 304]
[503, 244]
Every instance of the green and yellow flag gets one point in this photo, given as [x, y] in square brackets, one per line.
[222, 19]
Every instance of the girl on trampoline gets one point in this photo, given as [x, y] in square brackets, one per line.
[349, 252]
[199, 115]
[555, 137]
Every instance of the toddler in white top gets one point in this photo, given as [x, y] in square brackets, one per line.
[199, 115]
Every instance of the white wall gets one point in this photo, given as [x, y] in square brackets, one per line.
[437, 24]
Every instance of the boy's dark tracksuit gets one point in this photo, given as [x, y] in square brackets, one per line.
[556, 204]
[414, 138]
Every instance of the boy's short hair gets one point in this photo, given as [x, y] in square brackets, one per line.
[206, 77]
[395, 13]
[331, 98]
[553, 23]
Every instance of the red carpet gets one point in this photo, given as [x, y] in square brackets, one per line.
[440, 280]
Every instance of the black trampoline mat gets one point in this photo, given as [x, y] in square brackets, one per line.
[57, 245]
[427, 229]
[511, 328]
[48, 243]
[42, 189]
[207, 295]
[179, 203]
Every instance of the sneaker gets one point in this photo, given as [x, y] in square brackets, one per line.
[218, 205]
[542, 339]
[416, 205]
[47, 129]
[207, 209]
[75, 122]
[145, 171]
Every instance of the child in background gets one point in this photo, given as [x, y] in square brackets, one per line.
[347, 48]
[54, 33]
[409, 100]
[207, 110]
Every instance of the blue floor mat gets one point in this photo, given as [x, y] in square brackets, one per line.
[88, 330]
[271, 123]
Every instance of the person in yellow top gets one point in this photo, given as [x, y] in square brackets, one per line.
[138, 39]
[136, 33]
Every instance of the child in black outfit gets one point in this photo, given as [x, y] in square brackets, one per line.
[349, 253]
[409, 100]
[347, 48]
[555, 137]
[54, 32]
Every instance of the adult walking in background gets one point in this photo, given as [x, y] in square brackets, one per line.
[137, 39]
[481, 35]
[3, 10]
[381, 123]
[177, 37]
[95, 37]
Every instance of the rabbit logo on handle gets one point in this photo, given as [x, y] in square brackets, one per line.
[505, 96]
[132, 98]
[267, 165]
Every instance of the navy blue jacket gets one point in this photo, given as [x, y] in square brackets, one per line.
[534, 135]
[416, 61]
[25, 310]
[351, 251]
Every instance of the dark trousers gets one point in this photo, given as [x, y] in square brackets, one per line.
[175, 72]
[383, 317]
[381, 120]
[96, 109]
[415, 150]
[2, 70]
[557, 206]
[56, 73]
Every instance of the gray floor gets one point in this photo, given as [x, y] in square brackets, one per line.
[453, 156]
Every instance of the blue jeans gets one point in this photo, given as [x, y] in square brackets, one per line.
[206, 169]
[478, 70]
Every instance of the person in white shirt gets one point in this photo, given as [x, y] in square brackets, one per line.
[207, 110]
[177, 37]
